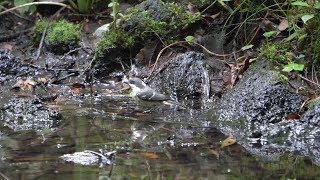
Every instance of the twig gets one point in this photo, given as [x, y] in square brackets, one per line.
[18, 15]
[41, 42]
[88, 67]
[181, 42]
[308, 80]
[74, 50]
[4, 176]
[62, 78]
[34, 3]
[208, 7]
[55, 69]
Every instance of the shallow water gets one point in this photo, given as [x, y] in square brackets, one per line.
[152, 141]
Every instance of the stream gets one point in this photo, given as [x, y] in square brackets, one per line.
[151, 141]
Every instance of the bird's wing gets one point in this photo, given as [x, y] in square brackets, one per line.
[152, 96]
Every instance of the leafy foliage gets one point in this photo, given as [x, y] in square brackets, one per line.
[293, 67]
[26, 9]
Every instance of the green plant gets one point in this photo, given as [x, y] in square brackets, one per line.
[115, 12]
[26, 9]
[293, 67]
[83, 6]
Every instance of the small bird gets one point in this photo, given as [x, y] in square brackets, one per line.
[143, 91]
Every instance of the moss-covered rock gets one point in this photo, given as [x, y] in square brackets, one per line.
[113, 39]
[153, 18]
[61, 37]
[146, 22]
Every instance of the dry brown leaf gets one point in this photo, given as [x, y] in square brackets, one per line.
[312, 95]
[77, 87]
[150, 155]
[216, 152]
[228, 141]
[192, 9]
[7, 46]
[25, 85]
[293, 116]
[283, 25]
[215, 15]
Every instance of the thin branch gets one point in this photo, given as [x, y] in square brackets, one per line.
[41, 42]
[183, 42]
[34, 3]
[4, 176]
[308, 80]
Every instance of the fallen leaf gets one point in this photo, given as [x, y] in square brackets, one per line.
[312, 95]
[228, 141]
[192, 9]
[215, 15]
[216, 152]
[7, 46]
[150, 155]
[293, 116]
[24, 85]
[283, 25]
[42, 80]
[77, 87]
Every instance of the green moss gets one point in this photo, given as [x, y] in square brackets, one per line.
[63, 32]
[38, 30]
[149, 20]
[61, 35]
[158, 19]
[277, 53]
[281, 78]
[113, 39]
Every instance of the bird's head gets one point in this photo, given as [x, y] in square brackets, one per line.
[136, 84]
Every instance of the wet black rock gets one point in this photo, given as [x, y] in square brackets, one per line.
[255, 112]
[260, 97]
[24, 114]
[186, 77]
[8, 64]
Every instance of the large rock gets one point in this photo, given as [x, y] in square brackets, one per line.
[255, 112]
[186, 77]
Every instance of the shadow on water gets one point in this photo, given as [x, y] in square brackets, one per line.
[152, 141]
